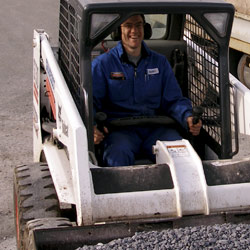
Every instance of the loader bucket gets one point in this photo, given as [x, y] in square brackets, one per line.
[73, 237]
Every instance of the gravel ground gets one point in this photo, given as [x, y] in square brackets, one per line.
[225, 236]
[17, 21]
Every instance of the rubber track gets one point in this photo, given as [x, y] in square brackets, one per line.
[35, 196]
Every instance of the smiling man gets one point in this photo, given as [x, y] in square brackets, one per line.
[132, 80]
[132, 34]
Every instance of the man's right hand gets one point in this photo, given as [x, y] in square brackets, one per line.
[98, 135]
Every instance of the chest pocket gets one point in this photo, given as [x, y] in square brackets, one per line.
[148, 90]
[119, 90]
[153, 85]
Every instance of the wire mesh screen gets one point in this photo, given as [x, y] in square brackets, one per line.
[69, 46]
[203, 75]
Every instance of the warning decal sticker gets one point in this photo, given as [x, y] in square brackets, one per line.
[177, 150]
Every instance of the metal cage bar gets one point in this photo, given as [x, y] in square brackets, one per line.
[203, 77]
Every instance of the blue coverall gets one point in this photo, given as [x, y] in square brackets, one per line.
[121, 89]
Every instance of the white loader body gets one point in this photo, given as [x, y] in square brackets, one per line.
[70, 167]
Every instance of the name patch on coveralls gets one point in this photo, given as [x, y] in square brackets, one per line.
[153, 71]
[117, 76]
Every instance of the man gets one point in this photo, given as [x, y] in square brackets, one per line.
[132, 80]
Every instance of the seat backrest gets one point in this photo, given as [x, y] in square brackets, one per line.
[176, 53]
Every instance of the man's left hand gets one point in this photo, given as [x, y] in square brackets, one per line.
[194, 129]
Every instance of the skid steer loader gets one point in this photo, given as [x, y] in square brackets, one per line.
[66, 199]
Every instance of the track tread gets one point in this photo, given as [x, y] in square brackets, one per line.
[34, 197]
[42, 223]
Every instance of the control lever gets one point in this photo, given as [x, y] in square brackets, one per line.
[197, 113]
[100, 119]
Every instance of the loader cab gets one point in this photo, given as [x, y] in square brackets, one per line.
[163, 34]
[193, 35]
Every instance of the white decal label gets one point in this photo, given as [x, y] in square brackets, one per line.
[153, 71]
[178, 150]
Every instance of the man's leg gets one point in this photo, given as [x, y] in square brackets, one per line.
[162, 133]
[120, 147]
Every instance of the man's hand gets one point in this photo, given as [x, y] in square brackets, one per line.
[194, 129]
[98, 135]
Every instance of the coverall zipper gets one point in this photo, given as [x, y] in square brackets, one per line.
[135, 72]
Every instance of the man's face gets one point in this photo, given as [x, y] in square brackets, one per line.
[132, 32]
